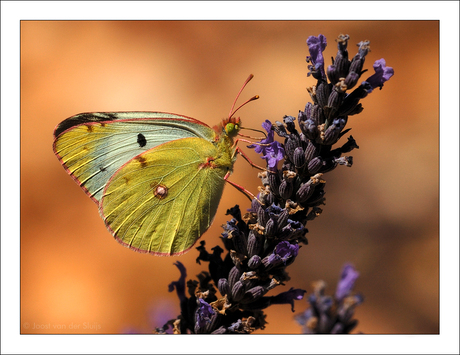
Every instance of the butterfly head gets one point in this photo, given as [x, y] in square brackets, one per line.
[231, 126]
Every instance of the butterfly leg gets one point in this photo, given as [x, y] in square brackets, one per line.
[240, 152]
[247, 193]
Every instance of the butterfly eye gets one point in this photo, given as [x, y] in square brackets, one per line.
[231, 128]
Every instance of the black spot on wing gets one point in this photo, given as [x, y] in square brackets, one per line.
[141, 140]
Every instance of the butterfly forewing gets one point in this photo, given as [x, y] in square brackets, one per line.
[93, 146]
[164, 199]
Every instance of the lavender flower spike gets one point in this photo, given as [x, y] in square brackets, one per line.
[382, 74]
[332, 315]
[261, 243]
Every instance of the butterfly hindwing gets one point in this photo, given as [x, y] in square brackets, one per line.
[93, 146]
[164, 199]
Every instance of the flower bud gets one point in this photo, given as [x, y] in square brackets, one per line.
[262, 218]
[309, 129]
[317, 115]
[284, 253]
[269, 199]
[299, 157]
[254, 262]
[280, 129]
[332, 74]
[351, 80]
[305, 115]
[322, 93]
[314, 165]
[237, 291]
[274, 182]
[305, 191]
[240, 243]
[311, 151]
[289, 148]
[331, 135]
[341, 62]
[289, 122]
[264, 192]
[283, 218]
[255, 205]
[249, 279]
[223, 286]
[253, 294]
[214, 322]
[233, 276]
[333, 131]
[203, 315]
[286, 188]
[270, 228]
[255, 243]
[337, 95]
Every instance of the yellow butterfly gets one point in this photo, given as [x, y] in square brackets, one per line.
[156, 177]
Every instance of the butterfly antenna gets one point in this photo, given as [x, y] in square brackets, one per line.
[232, 112]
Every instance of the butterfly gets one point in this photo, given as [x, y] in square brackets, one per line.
[156, 177]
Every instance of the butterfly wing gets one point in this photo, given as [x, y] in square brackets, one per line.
[164, 199]
[93, 146]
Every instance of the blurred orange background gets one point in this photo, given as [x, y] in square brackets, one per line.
[381, 215]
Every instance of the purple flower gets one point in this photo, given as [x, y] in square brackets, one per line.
[294, 229]
[283, 252]
[203, 314]
[273, 154]
[286, 250]
[235, 326]
[260, 149]
[329, 315]
[288, 297]
[346, 282]
[274, 210]
[382, 74]
[316, 46]
[271, 150]
[230, 228]
[179, 284]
